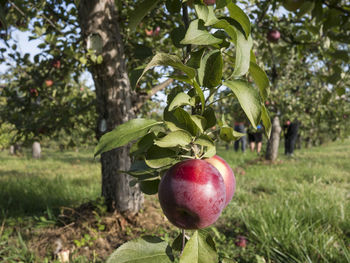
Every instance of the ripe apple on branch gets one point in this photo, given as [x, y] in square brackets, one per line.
[176, 156]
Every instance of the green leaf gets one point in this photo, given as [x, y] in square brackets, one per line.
[157, 157]
[123, 134]
[228, 134]
[135, 75]
[195, 59]
[198, 35]
[199, 249]
[340, 91]
[179, 119]
[200, 122]
[243, 47]
[181, 99]
[141, 10]
[174, 139]
[148, 249]
[206, 13]
[228, 260]
[210, 71]
[140, 170]
[143, 144]
[260, 78]
[163, 59]
[209, 115]
[173, 6]
[141, 51]
[149, 187]
[242, 61]
[200, 93]
[207, 142]
[266, 120]
[305, 8]
[177, 243]
[176, 35]
[248, 98]
[238, 15]
[181, 78]
[221, 3]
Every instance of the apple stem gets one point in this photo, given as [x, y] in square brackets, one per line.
[183, 241]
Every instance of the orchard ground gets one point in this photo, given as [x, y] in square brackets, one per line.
[295, 210]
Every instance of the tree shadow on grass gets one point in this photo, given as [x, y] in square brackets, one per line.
[32, 196]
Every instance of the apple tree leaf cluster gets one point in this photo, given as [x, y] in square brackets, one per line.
[189, 127]
[189, 122]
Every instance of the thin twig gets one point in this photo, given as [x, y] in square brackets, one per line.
[186, 23]
[183, 241]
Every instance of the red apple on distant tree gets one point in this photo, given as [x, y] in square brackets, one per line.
[292, 5]
[209, 2]
[226, 173]
[156, 31]
[149, 32]
[34, 92]
[192, 194]
[273, 35]
[48, 82]
[56, 63]
[267, 103]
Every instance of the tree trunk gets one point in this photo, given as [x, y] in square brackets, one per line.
[99, 18]
[36, 150]
[274, 141]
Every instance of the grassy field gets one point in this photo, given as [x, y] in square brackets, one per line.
[296, 210]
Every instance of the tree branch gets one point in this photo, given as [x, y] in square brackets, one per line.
[337, 8]
[141, 99]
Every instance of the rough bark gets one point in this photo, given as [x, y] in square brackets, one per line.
[12, 150]
[114, 100]
[36, 150]
[273, 142]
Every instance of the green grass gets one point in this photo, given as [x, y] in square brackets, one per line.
[294, 211]
[29, 187]
[297, 210]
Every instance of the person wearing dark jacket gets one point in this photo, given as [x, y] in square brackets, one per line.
[291, 136]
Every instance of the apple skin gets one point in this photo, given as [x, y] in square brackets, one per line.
[273, 35]
[292, 5]
[226, 173]
[209, 2]
[56, 63]
[241, 241]
[192, 194]
[48, 82]
[149, 32]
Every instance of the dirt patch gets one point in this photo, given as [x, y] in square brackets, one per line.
[91, 232]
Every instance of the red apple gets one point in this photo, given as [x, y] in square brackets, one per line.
[273, 35]
[192, 194]
[149, 32]
[292, 5]
[226, 173]
[48, 82]
[241, 241]
[209, 2]
[56, 63]
[267, 103]
[156, 31]
[34, 92]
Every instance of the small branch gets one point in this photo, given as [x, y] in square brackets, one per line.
[142, 99]
[183, 241]
[337, 8]
[17, 8]
[186, 23]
